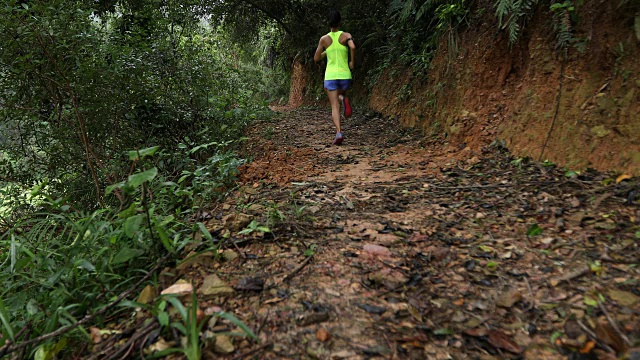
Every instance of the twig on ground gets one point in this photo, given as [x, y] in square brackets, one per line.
[570, 276]
[297, 270]
[130, 344]
[533, 299]
[614, 325]
[238, 250]
[586, 329]
[251, 352]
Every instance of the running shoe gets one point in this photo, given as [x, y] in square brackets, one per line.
[338, 139]
[346, 106]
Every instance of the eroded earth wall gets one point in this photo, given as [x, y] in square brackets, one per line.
[585, 107]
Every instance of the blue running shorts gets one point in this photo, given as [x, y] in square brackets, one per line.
[332, 85]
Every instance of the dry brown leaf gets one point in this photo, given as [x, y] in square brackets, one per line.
[623, 298]
[622, 177]
[96, 335]
[509, 299]
[179, 288]
[607, 334]
[503, 341]
[273, 300]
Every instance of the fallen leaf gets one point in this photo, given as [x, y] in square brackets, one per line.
[607, 334]
[147, 295]
[96, 335]
[477, 332]
[508, 299]
[250, 284]
[160, 345]
[223, 345]
[273, 301]
[323, 335]
[213, 285]
[372, 308]
[503, 341]
[180, 288]
[313, 318]
[622, 177]
[623, 298]
[588, 347]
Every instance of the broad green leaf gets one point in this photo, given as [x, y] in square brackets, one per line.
[125, 255]
[234, 320]
[84, 264]
[136, 180]
[163, 318]
[132, 224]
[140, 154]
[110, 188]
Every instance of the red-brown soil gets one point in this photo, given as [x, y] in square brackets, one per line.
[392, 247]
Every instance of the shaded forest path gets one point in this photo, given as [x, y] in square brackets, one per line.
[394, 247]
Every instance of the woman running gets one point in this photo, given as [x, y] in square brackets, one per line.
[336, 46]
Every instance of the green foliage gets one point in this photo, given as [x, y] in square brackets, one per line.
[254, 227]
[513, 15]
[563, 12]
[187, 324]
[77, 90]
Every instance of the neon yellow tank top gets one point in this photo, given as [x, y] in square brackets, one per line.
[337, 59]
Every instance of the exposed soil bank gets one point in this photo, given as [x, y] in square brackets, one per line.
[587, 105]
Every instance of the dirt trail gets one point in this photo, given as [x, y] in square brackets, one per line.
[393, 247]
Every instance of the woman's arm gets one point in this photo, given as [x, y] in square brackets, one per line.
[320, 53]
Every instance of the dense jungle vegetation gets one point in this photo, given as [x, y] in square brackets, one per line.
[121, 121]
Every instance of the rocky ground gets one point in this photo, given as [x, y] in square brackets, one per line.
[397, 246]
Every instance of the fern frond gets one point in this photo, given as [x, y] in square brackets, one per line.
[503, 8]
[407, 10]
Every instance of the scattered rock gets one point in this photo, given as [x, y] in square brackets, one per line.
[223, 344]
[376, 250]
[323, 335]
[229, 255]
[236, 222]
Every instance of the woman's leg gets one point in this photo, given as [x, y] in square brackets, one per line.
[335, 108]
[342, 98]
